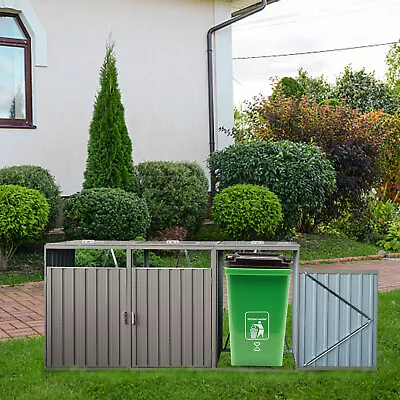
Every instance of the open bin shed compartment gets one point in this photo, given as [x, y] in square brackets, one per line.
[258, 299]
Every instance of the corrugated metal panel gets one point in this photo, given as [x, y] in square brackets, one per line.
[333, 307]
[173, 317]
[83, 321]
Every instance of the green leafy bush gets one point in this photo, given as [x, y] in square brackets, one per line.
[23, 217]
[288, 87]
[247, 212]
[299, 174]
[99, 258]
[363, 91]
[176, 194]
[392, 239]
[105, 214]
[382, 215]
[35, 177]
[370, 222]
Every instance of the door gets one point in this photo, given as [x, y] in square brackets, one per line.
[172, 316]
[337, 319]
[85, 323]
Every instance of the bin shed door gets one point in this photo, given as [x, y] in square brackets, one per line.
[337, 319]
[171, 309]
[84, 324]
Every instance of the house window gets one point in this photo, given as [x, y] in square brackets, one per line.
[15, 73]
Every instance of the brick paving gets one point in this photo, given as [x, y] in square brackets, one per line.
[22, 306]
[21, 311]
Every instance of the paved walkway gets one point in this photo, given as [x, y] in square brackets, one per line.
[21, 310]
[22, 307]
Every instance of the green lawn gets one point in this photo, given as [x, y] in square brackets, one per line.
[22, 375]
[323, 246]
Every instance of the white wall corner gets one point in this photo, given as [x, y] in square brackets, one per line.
[223, 76]
[34, 26]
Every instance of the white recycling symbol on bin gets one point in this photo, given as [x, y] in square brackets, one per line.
[257, 325]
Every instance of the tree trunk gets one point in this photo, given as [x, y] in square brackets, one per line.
[3, 261]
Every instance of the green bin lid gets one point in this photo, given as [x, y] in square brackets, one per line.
[257, 260]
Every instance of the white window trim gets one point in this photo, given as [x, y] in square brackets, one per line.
[33, 25]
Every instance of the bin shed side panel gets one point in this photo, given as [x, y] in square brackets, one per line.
[333, 331]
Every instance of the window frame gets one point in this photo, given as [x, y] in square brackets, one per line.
[25, 44]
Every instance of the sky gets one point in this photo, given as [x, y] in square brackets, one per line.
[293, 26]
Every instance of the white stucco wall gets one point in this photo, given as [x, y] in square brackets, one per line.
[161, 59]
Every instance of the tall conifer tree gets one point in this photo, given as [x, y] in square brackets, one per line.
[109, 162]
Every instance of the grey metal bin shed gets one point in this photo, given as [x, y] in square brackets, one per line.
[137, 316]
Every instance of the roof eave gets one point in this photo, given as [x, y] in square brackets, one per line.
[240, 4]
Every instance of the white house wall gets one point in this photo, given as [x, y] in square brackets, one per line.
[161, 59]
[223, 79]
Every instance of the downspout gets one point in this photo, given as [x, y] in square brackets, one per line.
[239, 15]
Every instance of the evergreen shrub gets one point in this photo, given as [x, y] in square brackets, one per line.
[35, 177]
[299, 174]
[176, 194]
[105, 214]
[288, 87]
[24, 214]
[247, 212]
[109, 162]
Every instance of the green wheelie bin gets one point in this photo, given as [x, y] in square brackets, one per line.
[258, 288]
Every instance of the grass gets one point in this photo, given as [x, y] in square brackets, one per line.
[22, 375]
[23, 267]
[323, 246]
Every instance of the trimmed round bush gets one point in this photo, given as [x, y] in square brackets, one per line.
[176, 194]
[23, 217]
[299, 174]
[105, 214]
[35, 177]
[247, 212]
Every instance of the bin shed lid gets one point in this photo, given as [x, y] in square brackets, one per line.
[257, 260]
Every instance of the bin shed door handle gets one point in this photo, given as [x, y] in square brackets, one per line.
[125, 318]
